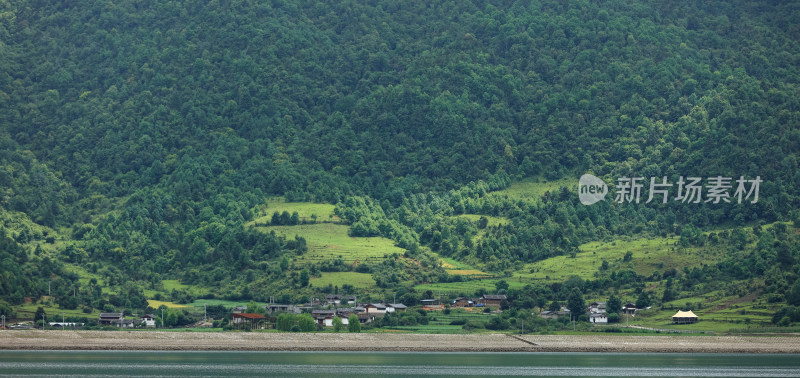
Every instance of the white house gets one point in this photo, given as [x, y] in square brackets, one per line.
[392, 307]
[149, 320]
[598, 318]
[597, 308]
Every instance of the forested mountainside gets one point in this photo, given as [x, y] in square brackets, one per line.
[143, 141]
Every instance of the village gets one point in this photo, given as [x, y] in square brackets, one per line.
[323, 311]
[346, 308]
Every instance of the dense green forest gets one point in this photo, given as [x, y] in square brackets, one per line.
[140, 141]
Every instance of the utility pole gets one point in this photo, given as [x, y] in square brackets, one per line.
[205, 313]
[162, 318]
[4, 322]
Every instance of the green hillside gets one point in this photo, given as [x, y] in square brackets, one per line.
[237, 151]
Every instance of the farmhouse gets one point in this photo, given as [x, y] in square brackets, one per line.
[375, 308]
[598, 318]
[392, 307]
[253, 320]
[126, 323]
[493, 299]
[111, 318]
[149, 320]
[274, 308]
[462, 302]
[629, 309]
[596, 308]
[364, 318]
[337, 299]
[684, 317]
[547, 314]
[324, 317]
[431, 304]
[553, 314]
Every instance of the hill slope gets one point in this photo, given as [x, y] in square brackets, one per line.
[145, 137]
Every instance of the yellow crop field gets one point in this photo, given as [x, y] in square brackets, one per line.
[156, 304]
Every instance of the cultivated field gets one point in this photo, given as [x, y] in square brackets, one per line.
[156, 304]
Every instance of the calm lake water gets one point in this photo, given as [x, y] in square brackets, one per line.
[331, 364]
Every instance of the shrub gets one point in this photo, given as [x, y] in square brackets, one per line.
[338, 325]
[473, 324]
[306, 323]
[353, 324]
[497, 324]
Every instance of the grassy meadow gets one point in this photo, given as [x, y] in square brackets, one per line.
[535, 188]
[306, 210]
[493, 221]
[358, 280]
[647, 256]
[53, 311]
[327, 242]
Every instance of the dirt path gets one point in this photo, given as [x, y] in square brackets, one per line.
[153, 340]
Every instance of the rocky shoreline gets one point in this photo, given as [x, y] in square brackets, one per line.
[255, 341]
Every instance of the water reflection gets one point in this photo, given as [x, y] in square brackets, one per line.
[330, 364]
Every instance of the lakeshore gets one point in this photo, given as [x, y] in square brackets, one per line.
[368, 342]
